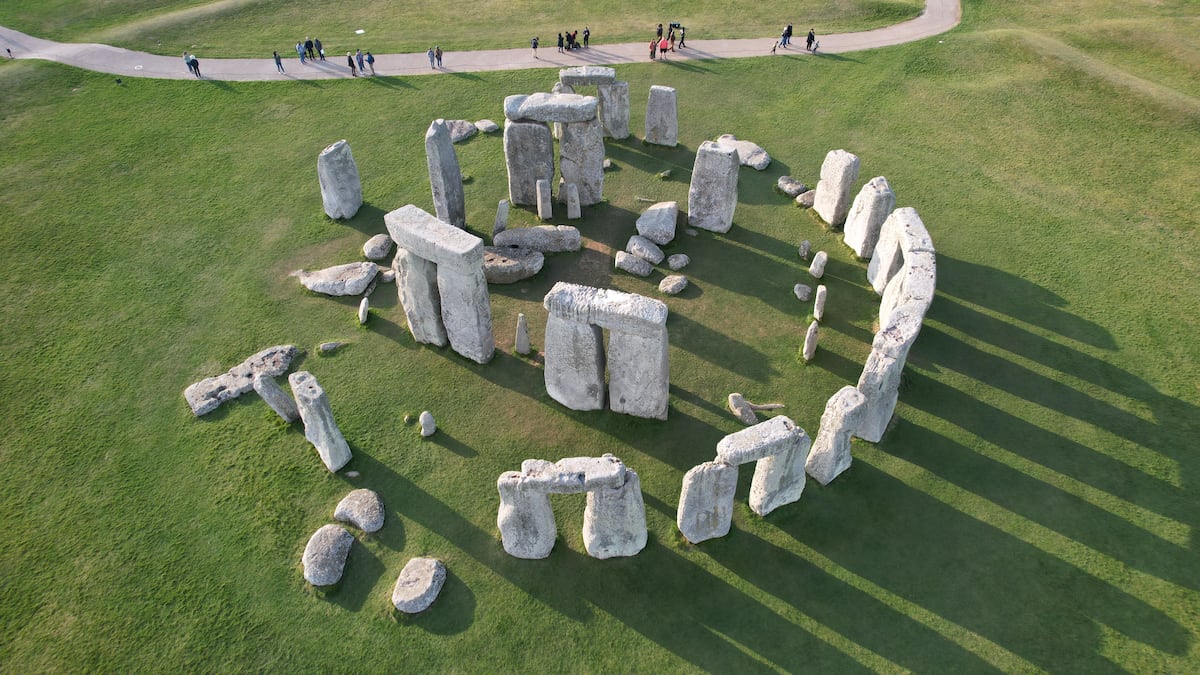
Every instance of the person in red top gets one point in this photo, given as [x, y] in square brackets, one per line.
[662, 48]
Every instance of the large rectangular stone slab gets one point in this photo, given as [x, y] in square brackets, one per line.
[445, 176]
[706, 501]
[432, 239]
[572, 475]
[574, 368]
[613, 310]
[712, 195]
[467, 311]
[639, 374]
[662, 117]
[416, 288]
[838, 173]
[586, 75]
[657, 223]
[529, 157]
[870, 209]
[581, 159]
[764, 439]
[613, 110]
[543, 107]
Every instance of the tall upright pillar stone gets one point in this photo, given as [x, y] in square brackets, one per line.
[341, 188]
[445, 176]
[838, 173]
[529, 157]
[614, 109]
[830, 453]
[662, 117]
[712, 195]
[581, 160]
[871, 208]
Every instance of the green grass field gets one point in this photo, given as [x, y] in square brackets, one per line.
[1034, 507]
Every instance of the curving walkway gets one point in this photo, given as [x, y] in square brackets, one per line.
[938, 17]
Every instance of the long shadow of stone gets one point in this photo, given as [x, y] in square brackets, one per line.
[718, 348]
[368, 220]
[437, 619]
[363, 570]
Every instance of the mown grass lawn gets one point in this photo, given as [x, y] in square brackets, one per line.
[1034, 507]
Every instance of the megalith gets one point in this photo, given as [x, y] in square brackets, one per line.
[614, 521]
[582, 76]
[871, 207]
[706, 501]
[525, 519]
[341, 189]
[809, 350]
[529, 157]
[319, 427]
[880, 380]
[614, 109]
[445, 177]
[830, 453]
[581, 160]
[712, 195]
[545, 208]
[779, 449]
[276, 398]
[838, 173]
[657, 222]
[662, 121]
[902, 232]
[574, 369]
[416, 286]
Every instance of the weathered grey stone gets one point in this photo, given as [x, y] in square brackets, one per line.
[691, 232]
[613, 110]
[662, 120]
[377, 247]
[914, 285]
[902, 232]
[639, 373]
[817, 267]
[574, 369]
[830, 454]
[487, 126]
[581, 159]
[319, 427]
[607, 164]
[741, 408]
[434, 239]
[871, 207]
[545, 208]
[529, 157]
[838, 173]
[445, 177]
[348, 279]
[544, 238]
[806, 199]
[508, 265]
[362, 509]
[606, 308]
[673, 284]
[779, 479]
[418, 585]
[633, 264]
[521, 342]
[572, 198]
[614, 522]
[819, 303]
[706, 501]
[543, 107]
[525, 519]
[572, 475]
[428, 425]
[810, 341]
[416, 288]
[559, 88]
[587, 75]
[644, 248]
[330, 346]
[501, 222]
[790, 186]
[206, 395]
[325, 555]
[761, 440]
[880, 380]
[364, 311]
[678, 261]
[803, 292]
[279, 400]
[461, 130]
[657, 223]
[804, 249]
[341, 189]
[712, 195]
[467, 312]
[386, 276]
[749, 154]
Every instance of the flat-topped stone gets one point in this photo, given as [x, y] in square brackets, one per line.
[713, 192]
[348, 279]
[544, 238]
[572, 475]
[435, 240]
[662, 118]
[341, 187]
[543, 107]
[418, 585]
[325, 555]
[838, 173]
[607, 308]
[206, 395]
[657, 223]
[764, 439]
[507, 265]
[587, 75]
[870, 209]
[633, 264]
[749, 154]
[644, 248]
[377, 247]
[361, 508]
[706, 501]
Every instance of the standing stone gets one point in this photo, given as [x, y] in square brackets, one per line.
[521, 343]
[416, 287]
[880, 380]
[545, 209]
[581, 159]
[377, 247]
[758, 441]
[817, 267]
[662, 121]
[871, 207]
[830, 454]
[779, 479]
[819, 303]
[614, 109]
[838, 173]
[341, 189]
[657, 223]
[501, 222]
[914, 285]
[525, 519]
[529, 157]
[644, 248]
[418, 585]
[810, 341]
[614, 522]
[559, 88]
[428, 425]
[574, 369]
[902, 231]
[712, 195]
[444, 175]
[364, 311]
[573, 210]
[633, 264]
[639, 371]
[706, 501]
[319, 427]
[276, 398]
[362, 509]
[325, 555]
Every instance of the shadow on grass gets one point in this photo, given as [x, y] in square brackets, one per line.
[440, 619]
[364, 568]
[718, 348]
[453, 444]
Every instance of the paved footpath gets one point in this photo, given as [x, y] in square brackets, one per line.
[939, 16]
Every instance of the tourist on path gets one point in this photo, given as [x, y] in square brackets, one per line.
[653, 48]
[362, 65]
[350, 62]
[371, 62]
[308, 48]
[788, 30]
[682, 36]
[278, 61]
[431, 57]
[808, 42]
[187, 61]
[319, 48]
[300, 51]
[662, 48]
[658, 35]
[587, 34]
[560, 43]
[671, 38]
[195, 64]
[437, 53]
[534, 43]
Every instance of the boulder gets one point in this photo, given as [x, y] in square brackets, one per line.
[804, 249]
[644, 248]
[543, 107]
[662, 120]
[838, 173]
[386, 276]
[362, 509]
[742, 409]
[328, 347]
[706, 501]
[633, 264]
[418, 585]
[278, 399]
[364, 311]
[657, 223]
[806, 199]
[319, 427]
[325, 555]
[348, 279]
[487, 126]
[749, 154]
[810, 341]
[587, 75]
[377, 247]
[803, 292]
[206, 395]
[790, 186]
[830, 454]
[819, 303]
[521, 341]
[544, 238]
[428, 426]
[673, 284]
[678, 261]
[461, 130]
[817, 267]
[509, 265]
[341, 188]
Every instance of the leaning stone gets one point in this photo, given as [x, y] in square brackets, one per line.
[543, 107]
[416, 288]
[914, 285]
[712, 195]
[573, 210]
[830, 454]
[644, 248]
[508, 265]
[525, 519]
[521, 342]
[761, 440]
[587, 75]
[362, 509]
[804, 249]
[779, 479]
[673, 284]
[749, 154]
[325, 555]
[806, 199]
[377, 247]
[790, 186]
[428, 426]
[817, 267]
[544, 238]
[657, 223]
[678, 261]
[871, 208]
[545, 209]
[528, 157]
[501, 222]
[487, 126]
[445, 176]
[742, 409]
[348, 279]
[662, 120]
[278, 399]
[581, 160]
[206, 395]
[613, 110]
[341, 189]
[614, 522]
[461, 130]
[803, 292]
[319, 427]
[706, 501]
[364, 311]
[418, 585]
[838, 173]
[633, 264]
[810, 341]
[819, 303]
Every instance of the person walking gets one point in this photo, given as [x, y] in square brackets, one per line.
[371, 62]
[362, 65]
[682, 36]
[437, 54]
[195, 64]
[320, 50]
[671, 38]
[350, 62]
[431, 57]
[300, 51]
[653, 48]
[788, 32]
[587, 35]
[278, 61]
[187, 61]
[308, 48]
[658, 35]
[662, 48]
[534, 44]
[560, 43]
[808, 42]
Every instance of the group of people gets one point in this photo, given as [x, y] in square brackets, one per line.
[364, 61]
[661, 44]
[193, 63]
[571, 41]
[311, 49]
[308, 49]
[435, 56]
[785, 39]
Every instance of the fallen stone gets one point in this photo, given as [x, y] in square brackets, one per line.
[418, 585]
[713, 192]
[544, 238]
[749, 154]
[633, 264]
[330, 346]
[377, 247]
[673, 284]
[871, 208]
[742, 410]
[817, 268]
[830, 454]
[803, 292]
[662, 119]
[386, 276]
[819, 303]
[325, 555]
[371, 287]
[206, 395]
[428, 426]
[657, 223]
[607, 164]
[364, 311]
[790, 186]
[545, 208]
[678, 261]
[543, 107]
[805, 249]
[501, 222]
[348, 279]
[487, 126]
[461, 130]
[691, 232]
[319, 427]
[706, 501]
[644, 248]
[509, 265]
[810, 341]
[341, 188]
[362, 509]
[806, 199]
[614, 521]
[838, 173]
[521, 342]
[587, 75]
[278, 399]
